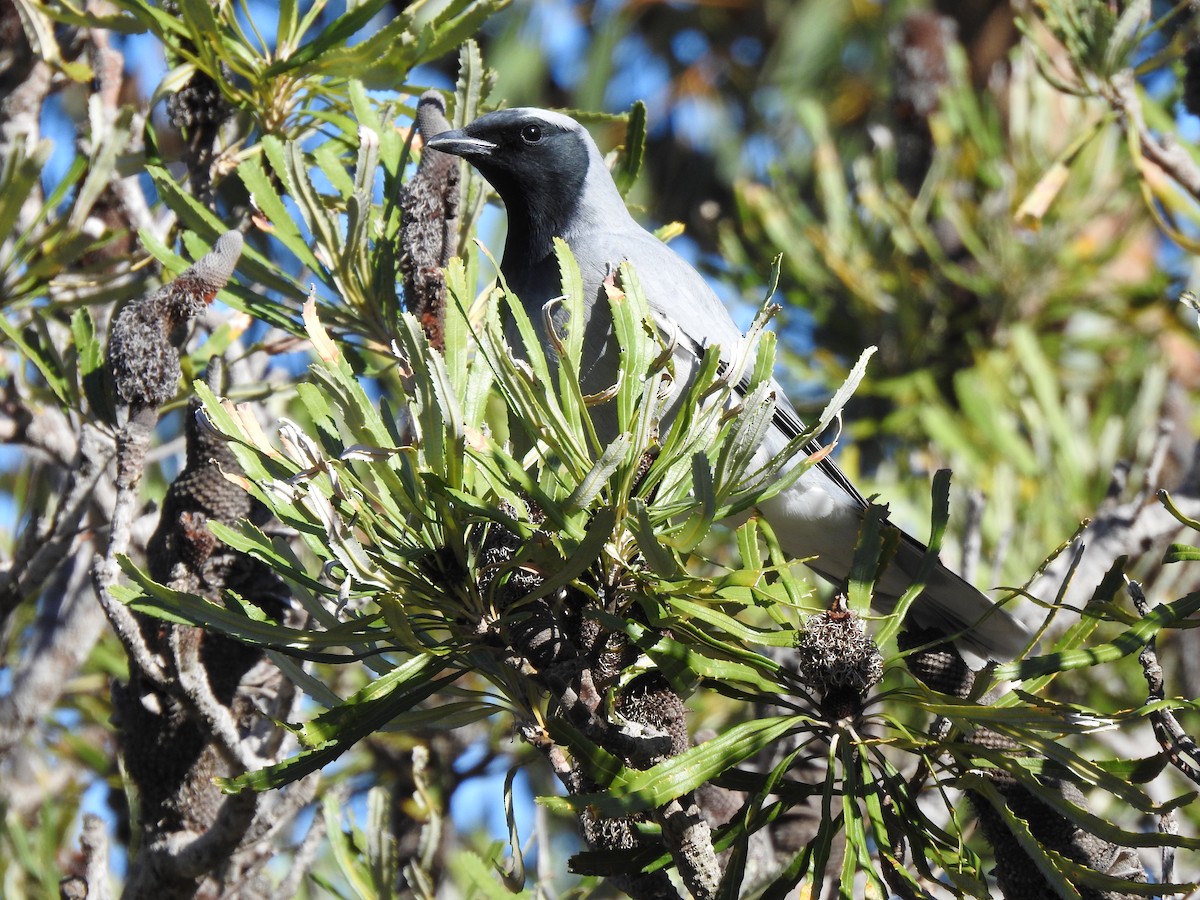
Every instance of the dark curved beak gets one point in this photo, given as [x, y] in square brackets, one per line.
[459, 143]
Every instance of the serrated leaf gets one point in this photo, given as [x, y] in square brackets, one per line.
[339, 729]
[263, 195]
[630, 163]
[1181, 553]
[1167, 615]
[337, 32]
[634, 790]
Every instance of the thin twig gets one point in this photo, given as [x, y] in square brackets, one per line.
[1168, 156]
[287, 805]
[302, 860]
[193, 681]
[46, 552]
[61, 638]
[194, 856]
[1171, 737]
[106, 574]
[94, 842]
[1168, 823]
[131, 451]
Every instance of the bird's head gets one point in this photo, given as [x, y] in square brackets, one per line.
[545, 167]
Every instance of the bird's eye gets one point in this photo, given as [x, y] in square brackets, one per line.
[531, 134]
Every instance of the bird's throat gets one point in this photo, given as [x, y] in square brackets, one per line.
[534, 221]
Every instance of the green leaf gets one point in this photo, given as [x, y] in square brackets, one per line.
[1165, 498]
[18, 176]
[346, 852]
[263, 196]
[321, 222]
[1080, 631]
[109, 139]
[689, 611]
[663, 562]
[89, 360]
[630, 163]
[1125, 37]
[597, 479]
[39, 30]
[473, 85]
[480, 880]
[183, 608]
[814, 857]
[42, 355]
[683, 664]
[339, 31]
[251, 540]
[565, 325]
[1049, 863]
[1083, 818]
[939, 518]
[582, 555]
[1167, 615]
[336, 731]
[1181, 553]
[123, 24]
[633, 790]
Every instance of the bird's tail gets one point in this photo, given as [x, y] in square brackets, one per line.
[980, 629]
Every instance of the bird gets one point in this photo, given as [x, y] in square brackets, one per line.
[554, 183]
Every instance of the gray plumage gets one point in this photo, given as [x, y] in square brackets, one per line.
[554, 183]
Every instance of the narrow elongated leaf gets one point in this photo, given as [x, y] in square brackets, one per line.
[42, 355]
[361, 715]
[635, 149]
[263, 195]
[1168, 615]
[634, 790]
[340, 30]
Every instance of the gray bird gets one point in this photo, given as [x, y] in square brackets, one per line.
[554, 183]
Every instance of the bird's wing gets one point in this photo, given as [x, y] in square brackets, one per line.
[683, 303]
[785, 419]
[819, 515]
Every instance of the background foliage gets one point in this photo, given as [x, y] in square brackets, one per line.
[1002, 200]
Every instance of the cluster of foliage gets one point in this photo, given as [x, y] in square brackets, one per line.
[438, 507]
